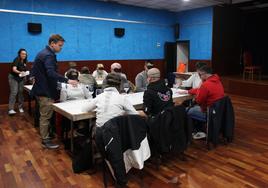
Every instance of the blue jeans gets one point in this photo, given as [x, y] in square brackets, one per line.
[197, 114]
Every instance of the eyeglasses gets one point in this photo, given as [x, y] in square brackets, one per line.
[117, 70]
[149, 67]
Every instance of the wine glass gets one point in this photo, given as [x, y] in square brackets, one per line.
[126, 87]
[90, 88]
[60, 85]
[98, 91]
[166, 81]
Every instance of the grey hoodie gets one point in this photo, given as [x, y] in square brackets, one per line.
[87, 79]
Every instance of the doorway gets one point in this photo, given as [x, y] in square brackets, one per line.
[183, 53]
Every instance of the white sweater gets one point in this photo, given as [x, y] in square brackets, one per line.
[108, 105]
[99, 76]
[68, 92]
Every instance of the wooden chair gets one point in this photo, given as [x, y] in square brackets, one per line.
[249, 68]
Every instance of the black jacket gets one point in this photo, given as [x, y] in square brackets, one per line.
[45, 73]
[168, 131]
[221, 120]
[157, 98]
[118, 135]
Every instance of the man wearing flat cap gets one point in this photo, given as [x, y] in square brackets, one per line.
[116, 68]
[158, 96]
[141, 78]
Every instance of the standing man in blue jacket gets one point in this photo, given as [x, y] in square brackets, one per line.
[44, 89]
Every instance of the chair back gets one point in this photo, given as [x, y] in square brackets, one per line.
[168, 131]
[247, 59]
[220, 120]
[123, 142]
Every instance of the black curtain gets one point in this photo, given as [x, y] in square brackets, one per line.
[255, 38]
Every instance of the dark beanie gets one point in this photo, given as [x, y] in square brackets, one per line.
[113, 80]
[85, 70]
[72, 74]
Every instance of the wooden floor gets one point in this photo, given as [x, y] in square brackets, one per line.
[244, 163]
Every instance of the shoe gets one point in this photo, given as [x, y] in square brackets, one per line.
[11, 112]
[21, 110]
[49, 145]
[199, 135]
[77, 133]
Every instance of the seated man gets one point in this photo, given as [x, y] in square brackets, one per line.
[70, 92]
[99, 74]
[110, 103]
[209, 92]
[141, 78]
[194, 81]
[158, 96]
[87, 79]
[116, 69]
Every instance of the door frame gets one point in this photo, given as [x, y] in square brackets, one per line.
[184, 42]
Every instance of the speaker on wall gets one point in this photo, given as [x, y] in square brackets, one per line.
[34, 27]
[119, 32]
[177, 30]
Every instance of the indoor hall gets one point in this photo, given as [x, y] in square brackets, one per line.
[165, 42]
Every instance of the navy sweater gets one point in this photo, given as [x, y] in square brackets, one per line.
[45, 73]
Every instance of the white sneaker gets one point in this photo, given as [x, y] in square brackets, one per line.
[199, 135]
[11, 112]
[21, 110]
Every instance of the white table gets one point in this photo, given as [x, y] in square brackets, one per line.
[136, 99]
[28, 89]
[73, 109]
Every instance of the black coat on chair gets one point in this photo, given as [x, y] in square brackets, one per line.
[220, 120]
[168, 131]
[118, 135]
